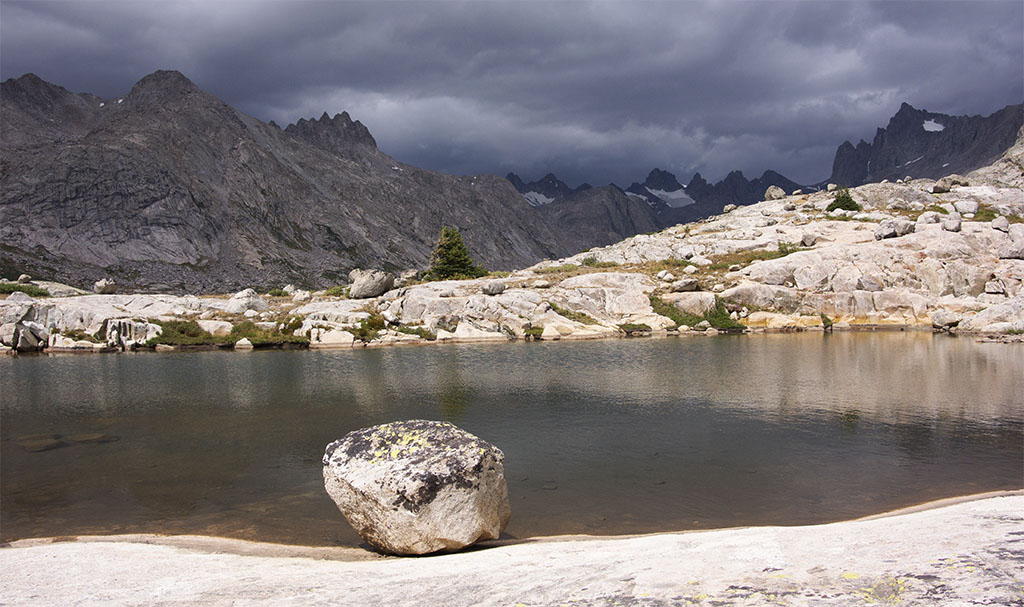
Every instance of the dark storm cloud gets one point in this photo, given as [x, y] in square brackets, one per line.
[593, 92]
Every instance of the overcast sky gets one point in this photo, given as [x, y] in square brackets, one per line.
[592, 92]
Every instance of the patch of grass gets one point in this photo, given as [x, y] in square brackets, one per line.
[185, 333]
[826, 321]
[277, 293]
[630, 328]
[369, 328]
[987, 213]
[423, 332]
[263, 337]
[744, 258]
[498, 274]
[576, 316]
[533, 332]
[6, 288]
[843, 201]
[592, 262]
[80, 335]
[337, 291]
[718, 317]
[937, 209]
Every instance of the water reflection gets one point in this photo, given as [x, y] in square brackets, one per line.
[600, 437]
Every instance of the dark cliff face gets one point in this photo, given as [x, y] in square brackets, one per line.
[601, 216]
[169, 188]
[920, 143]
[658, 179]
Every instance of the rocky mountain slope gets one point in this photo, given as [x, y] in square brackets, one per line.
[169, 188]
[937, 255]
[920, 143]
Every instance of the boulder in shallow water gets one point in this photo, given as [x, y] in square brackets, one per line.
[417, 487]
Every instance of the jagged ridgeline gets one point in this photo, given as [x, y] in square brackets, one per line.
[169, 188]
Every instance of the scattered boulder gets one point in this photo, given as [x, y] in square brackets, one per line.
[728, 208]
[217, 328]
[685, 285]
[946, 184]
[892, 228]
[24, 279]
[944, 319]
[998, 318]
[1014, 250]
[243, 344]
[995, 287]
[493, 287]
[796, 193]
[952, 224]
[20, 297]
[808, 240]
[929, 217]
[1001, 223]
[417, 487]
[789, 206]
[774, 193]
[301, 295]
[370, 283]
[666, 276]
[831, 187]
[966, 207]
[289, 289]
[244, 301]
[104, 286]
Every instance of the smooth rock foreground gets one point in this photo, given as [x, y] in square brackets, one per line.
[417, 487]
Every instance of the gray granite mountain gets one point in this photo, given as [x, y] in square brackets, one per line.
[545, 190]
[169, 188]
[925, 144]
[601, 216]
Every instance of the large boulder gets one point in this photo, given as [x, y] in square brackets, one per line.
[371, 283]
[246, 300]
[104, 286]
[417, 487]
[774, 193]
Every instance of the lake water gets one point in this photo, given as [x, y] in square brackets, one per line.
[604, 437]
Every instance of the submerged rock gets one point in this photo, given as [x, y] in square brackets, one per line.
[416, 487]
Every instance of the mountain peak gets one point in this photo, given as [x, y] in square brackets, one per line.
[658, 179]
[337, 135]
[162, 87]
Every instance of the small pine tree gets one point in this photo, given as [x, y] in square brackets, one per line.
[843, 201]
[451, 258]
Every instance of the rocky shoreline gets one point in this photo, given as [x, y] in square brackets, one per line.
[957, 551]
[944, 255]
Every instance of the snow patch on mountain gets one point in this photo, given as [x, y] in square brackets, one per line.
[677, 198]
[537, 199]
[932, 127]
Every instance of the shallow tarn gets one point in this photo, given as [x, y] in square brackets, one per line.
[610, 437]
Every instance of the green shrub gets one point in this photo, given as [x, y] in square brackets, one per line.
[451, 259]
[369, 328]
[264, 337]
[80, 335]
[843, 201]
[717, 317]
[185, 333]
[633, 328]
[423, 332]
[6, 288]
[277, 293]
[568, 267]
[825, 320]
[592, 262]
[576, 316]
[338, 291]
